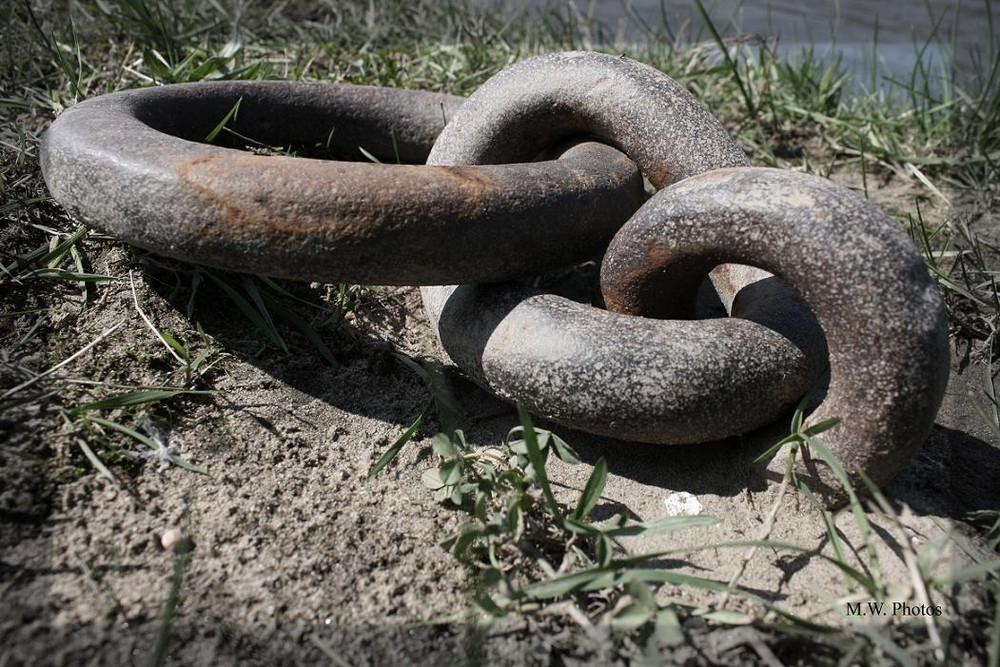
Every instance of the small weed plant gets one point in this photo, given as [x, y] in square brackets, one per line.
[531, 555]
[525, 546]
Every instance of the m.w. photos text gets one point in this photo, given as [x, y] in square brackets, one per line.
[872, 608]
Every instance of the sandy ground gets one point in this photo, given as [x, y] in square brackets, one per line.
[298, 556]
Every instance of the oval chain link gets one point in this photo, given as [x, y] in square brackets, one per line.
[135, 164]
[882, 313]
[647, 380]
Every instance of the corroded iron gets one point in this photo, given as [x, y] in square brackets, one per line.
[631, 378]
[135, 164]
[882, 313]
[510, 191]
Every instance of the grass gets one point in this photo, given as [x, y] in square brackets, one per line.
[76, 397]
[530, 554]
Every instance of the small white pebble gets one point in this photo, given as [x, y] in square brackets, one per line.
[172, 540]
[682, 503]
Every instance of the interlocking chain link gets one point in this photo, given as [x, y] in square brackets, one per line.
[647, 380]
[509, 192]
[881, 310]
[134, 164]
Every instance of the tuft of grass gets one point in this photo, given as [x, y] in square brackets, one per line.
[526, 550]
[532, 556]
[61, 393]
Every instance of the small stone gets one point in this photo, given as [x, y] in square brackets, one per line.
[682, 503]
[175, 541]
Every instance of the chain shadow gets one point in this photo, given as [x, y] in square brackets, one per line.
[954, 473]
[357, 375]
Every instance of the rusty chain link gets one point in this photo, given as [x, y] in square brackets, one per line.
[508, 192]
[881, 310]
[653, 381]
[135, 164]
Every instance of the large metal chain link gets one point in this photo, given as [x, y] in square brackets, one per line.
[135, 164]
[507, 194]
[648, 380]
[881, 310]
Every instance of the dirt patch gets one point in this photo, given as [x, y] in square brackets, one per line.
[299, 556]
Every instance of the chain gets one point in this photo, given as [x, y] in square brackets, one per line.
[509, 191]
[135, 164]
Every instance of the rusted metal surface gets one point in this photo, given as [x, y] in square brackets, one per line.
[488, 208]
[882, 313]
[134, 164]
[607, 373]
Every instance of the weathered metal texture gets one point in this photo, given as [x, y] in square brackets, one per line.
[882, 313]
[607, 373]
[132, 164]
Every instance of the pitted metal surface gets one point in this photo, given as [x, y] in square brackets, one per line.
[882, 313]
[132, 164]
[488, 207]
[632, 378]
[644, 380]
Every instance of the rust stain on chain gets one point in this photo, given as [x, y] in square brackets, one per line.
[476, 186]
[192, 173]
[233, 184]
[315, 219]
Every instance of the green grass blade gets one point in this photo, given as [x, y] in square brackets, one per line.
[857, 511]
[659, 576]
[230, 115]
[971, 573]
[592, 491]
[96, 462]
[773, 449]
[83, 269]
[397, 446]
[251, 313]
[136, 398]
[149, 442]
[563, 450]
[537, 460]
[121, 428]
[449, 412]
[251, 288]
[63, 274]
[824, 425]
[164, 632]
[605, 577]
[299, 323]
[187, 465]
[574, 582]
[730, 63]
[831, 528]
[661, 526]
[175, 344]
[46, 255]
